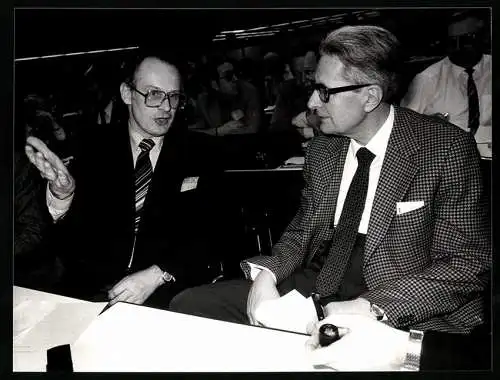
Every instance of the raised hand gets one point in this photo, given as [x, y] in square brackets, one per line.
[51, 167]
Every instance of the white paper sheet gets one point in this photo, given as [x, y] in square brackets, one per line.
[42, 321]
[299, 160]
[291, 312]
[130, 338]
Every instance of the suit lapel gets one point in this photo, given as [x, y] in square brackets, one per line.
[124, 165]
[329, 169]
[398, 171]
[167, 175]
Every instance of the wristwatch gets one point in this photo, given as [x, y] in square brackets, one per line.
[378, 312]
[413, 351]
[167, 277]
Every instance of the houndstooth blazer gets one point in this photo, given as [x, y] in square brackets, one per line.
[425, 268]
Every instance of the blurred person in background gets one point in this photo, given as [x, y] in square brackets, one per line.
[274, 70]
[291, 104]
[290, 120]
[40, 121]
[34, 264]
[229, 106]
[306, 121]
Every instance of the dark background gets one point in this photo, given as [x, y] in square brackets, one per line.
[54, 31]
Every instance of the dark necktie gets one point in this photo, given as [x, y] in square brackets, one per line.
[143, 175]
[332, 272]
[473, 102]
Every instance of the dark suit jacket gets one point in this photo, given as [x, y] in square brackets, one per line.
[426, 268]
[176, 228]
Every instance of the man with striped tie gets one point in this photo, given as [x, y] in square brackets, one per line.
[135, 195]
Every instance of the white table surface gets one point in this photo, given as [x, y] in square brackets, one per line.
[132, 338]
[43, 320]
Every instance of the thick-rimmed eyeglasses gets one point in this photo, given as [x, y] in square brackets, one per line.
[325, 92]
[154, 98]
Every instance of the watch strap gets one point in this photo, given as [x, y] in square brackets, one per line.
[413, 351]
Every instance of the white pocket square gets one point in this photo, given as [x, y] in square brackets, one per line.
[404, 207]
[189, 183]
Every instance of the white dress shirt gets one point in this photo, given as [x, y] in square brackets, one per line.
[378, 146]
[442, 87]
[58, 207]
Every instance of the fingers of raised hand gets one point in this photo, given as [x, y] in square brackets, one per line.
[45, 168]
[36, 145]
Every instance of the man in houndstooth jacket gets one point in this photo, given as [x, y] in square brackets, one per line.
[423, 256]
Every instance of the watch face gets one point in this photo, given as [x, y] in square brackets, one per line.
[377, 311]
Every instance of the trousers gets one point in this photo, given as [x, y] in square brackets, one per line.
[227, 300]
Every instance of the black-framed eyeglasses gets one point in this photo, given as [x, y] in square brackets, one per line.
[154, 97]
[325, 92]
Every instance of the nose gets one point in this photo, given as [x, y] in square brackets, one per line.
[314, 101]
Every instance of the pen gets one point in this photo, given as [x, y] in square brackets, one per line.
[105, 308]
[319, 309]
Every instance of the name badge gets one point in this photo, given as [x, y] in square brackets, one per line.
[189, 183]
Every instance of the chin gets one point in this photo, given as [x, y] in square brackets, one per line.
[327, 129]
[158, 131]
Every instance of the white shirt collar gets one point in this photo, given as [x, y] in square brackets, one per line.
[459, 70]
[378, 143]
[136, 138]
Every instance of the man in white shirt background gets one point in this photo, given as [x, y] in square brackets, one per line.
[442, 88]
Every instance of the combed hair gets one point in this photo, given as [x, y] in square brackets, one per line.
[369, 53]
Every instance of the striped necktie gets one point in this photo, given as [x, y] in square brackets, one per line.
[473, 102]
[143, 175]
[332, 272]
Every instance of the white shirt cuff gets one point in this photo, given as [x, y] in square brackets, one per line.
[255, 270]
[57, 207]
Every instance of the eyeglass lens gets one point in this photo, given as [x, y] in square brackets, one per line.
[156, 97]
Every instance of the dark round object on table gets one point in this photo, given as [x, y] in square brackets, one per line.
[328, 334]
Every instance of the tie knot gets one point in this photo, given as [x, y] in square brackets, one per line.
[469, 70]
[146, 145]
[365, 157]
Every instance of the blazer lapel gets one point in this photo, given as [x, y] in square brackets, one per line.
[124, 164]
[398, 171]
[167, 175]
[326, 191]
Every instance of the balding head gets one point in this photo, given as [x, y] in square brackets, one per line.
[152, 78]
[155, 67]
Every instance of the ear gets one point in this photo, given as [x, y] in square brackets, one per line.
[374, 97]
[125, 93]
[214, 84]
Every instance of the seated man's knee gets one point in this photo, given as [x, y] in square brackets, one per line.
[186, 301]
